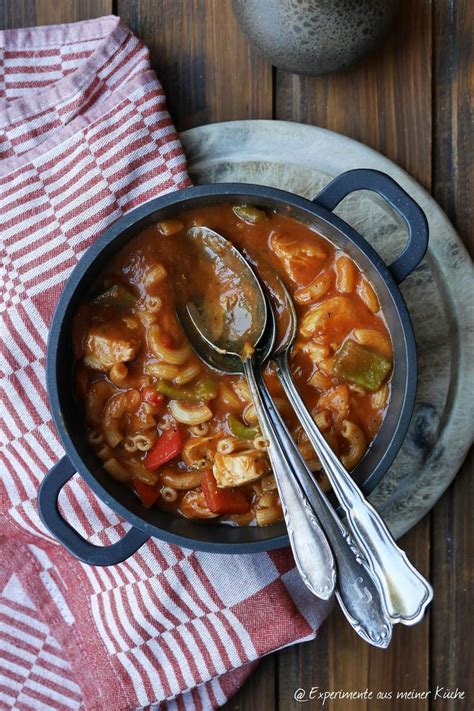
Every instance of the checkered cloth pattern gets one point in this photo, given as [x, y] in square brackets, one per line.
[85, 137]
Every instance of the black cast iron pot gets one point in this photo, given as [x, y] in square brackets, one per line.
[69, 420]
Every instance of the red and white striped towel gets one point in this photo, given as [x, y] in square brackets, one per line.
[84, 137]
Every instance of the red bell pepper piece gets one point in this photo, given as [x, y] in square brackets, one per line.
[166, 447]
[147, 493]
[152, 396]
[223, 501]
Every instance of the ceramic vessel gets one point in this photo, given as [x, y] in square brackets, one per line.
[315, 36]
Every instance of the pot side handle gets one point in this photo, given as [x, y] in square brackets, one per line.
[397, 198]
[86, 552]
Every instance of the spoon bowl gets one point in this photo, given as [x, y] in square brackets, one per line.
[231, 307]
[285, 337]
[217, 358]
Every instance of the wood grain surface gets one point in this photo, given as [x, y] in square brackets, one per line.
[452, 539]
[412, 101]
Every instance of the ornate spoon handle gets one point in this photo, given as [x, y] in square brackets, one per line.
[357, 592]
[405, 592]
[310, 548]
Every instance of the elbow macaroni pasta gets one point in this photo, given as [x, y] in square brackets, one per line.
[95, 400]
[268, 509]
[249, 415]
[184, 481]
[118, 373]
[157, 417]
[187, 374]
[315, 291]
[357, 444]
[117, 406]
[228, 445]
[116, 470]
[197, 450]
[194, 505]
[346, 274]
[380, 397]
[188, 413]
[199, 430]
[172, 356]
[374, 339]
[162, 370]
[154, 275]
[367, 293]
[229, 397]
[168, 494]
[323, 419]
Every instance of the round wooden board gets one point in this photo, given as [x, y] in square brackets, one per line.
[302, 159]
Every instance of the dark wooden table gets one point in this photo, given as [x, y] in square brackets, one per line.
[412, 101]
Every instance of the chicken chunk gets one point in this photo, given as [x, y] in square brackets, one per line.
[110, 343]
[297, 255]
[330, 320]
[240, 467]
[336, 399]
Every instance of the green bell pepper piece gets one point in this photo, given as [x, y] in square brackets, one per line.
[250, 214]
[356, 364]
[240, 430]
[205, 389]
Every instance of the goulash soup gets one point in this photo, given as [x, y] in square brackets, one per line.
[185, 438]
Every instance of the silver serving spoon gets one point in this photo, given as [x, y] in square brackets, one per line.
[405, 592]
[233, 349]
[357, 593]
